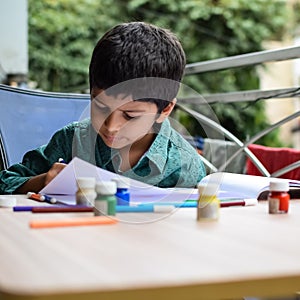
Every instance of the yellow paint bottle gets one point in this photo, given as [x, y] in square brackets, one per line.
[208, 204]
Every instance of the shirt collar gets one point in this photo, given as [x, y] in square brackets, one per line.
[158, 151]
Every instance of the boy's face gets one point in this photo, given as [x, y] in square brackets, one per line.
[120, 121]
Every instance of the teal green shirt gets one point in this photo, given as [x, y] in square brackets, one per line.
[170, 161]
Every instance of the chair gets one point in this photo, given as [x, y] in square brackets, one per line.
[29, 118]
[278, 161]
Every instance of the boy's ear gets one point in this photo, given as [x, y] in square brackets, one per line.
[166, 111]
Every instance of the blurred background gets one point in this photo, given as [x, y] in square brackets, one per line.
[47, 45]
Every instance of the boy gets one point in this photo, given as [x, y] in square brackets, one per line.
[134, 74]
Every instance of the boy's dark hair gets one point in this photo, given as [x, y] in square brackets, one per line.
[137, 50]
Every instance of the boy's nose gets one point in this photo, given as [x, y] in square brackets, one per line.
[112, 122]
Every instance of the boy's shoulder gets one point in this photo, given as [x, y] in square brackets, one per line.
[172, 147]
[176, 138]
[83, 124]
[76, 126]
[180, 141]
[177, 157]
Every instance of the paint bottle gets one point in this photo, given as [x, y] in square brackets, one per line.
[85, 194]
[208, 204]
[105, 202]
[122, 194]
[278, 197]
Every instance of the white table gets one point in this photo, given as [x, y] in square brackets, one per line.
[152, 256]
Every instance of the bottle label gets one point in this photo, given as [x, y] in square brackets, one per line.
[274, 205]
[123, 197]
[101, 208]
[209, 211]
[284, 203]
[85, 198]
[112, 206]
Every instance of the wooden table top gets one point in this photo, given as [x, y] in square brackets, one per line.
[248, 252]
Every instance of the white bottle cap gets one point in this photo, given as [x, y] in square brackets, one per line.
[209, 189]
[86, 182]
[7, 201]
[279, 185]
[106, 187]
[122, 183]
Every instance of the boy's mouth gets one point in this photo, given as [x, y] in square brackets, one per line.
[111, 138]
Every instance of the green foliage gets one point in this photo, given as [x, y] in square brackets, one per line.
[62, 34]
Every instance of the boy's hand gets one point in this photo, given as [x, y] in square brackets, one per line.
[36, 183]
[55, 169]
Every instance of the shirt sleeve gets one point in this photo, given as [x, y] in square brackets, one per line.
[37, 161]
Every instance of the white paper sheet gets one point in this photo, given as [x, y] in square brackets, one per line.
[242, 185]
[63, 186]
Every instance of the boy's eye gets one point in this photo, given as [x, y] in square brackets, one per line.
[128, 116]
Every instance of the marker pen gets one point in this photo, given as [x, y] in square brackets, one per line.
[244, 202]
[193, 203]
[41, 198]
[145, 208]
